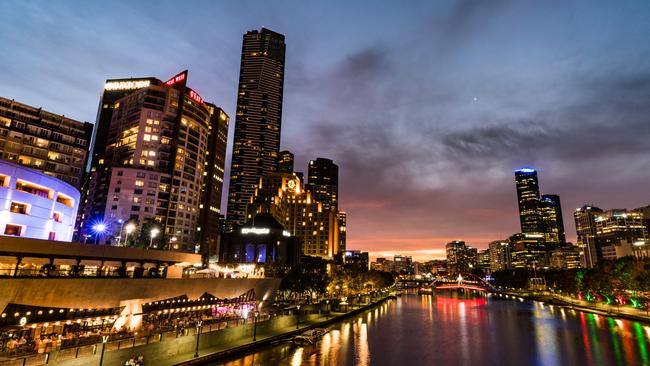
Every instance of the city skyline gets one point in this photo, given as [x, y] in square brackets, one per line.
[425, 143]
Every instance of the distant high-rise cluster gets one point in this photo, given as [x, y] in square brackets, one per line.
[612, 234]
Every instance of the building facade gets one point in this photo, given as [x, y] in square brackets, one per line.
[460, 257]
[44, 141]
[161, 142]
[258, 119]
[36, 205]
[500, 258]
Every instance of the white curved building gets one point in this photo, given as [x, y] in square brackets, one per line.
[36, 205]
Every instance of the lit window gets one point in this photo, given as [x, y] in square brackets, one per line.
[13, 230]
[52, 235]
[57, 216]
[139, 183]
[19, 208]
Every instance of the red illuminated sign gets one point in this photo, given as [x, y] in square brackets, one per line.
[195, 96]
[177, 78]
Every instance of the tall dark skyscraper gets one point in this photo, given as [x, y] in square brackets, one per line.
[528, 198]
[258, 119]
[323, 182]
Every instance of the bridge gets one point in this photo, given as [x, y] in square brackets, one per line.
[470, 282]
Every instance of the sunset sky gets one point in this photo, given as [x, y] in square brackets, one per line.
[427, 107]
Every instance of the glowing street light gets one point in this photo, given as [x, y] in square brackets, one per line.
[130, 227]
[99, 229]
[152, 234]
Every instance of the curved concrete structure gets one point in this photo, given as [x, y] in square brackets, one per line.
[36, 205]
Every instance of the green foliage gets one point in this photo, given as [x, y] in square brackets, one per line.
[628, 274]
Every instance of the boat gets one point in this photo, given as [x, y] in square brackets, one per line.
[310, 337]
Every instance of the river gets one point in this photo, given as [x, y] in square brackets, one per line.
[444, 330]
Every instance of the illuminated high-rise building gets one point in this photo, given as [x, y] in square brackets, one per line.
[50, 143]
[550, 210]
[258, 119]
[460, 257]
[152, 166]
[323, 182]
[299, 214]
[585, 220]
[528, 199]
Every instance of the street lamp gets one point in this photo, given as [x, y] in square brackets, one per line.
[198, 333]
[257, 313]
[298, 317]
[130, 227]
[152, 234]
[119, 238]
[327, 309]
[104, 340]
[99, 229]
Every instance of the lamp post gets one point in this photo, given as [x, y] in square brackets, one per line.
[130, 227]
[119, 237]
[152, 234]
[298, 317]
[198, 333]
[327, 309]
[99, 229]
[104, 340]
[257, 313]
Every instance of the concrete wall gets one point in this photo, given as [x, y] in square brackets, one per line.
[111, 292]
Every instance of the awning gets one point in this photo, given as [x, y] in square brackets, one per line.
[89, 262]
[35, 261]
[65, 261]
[8, 260]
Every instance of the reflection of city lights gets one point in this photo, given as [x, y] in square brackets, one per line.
[296, 360]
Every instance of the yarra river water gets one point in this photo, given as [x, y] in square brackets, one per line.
[429, 330]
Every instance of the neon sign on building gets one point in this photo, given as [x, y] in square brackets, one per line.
[127, 84]
[195, 96]
[177, 78]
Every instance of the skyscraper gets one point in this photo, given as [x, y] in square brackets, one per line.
[259, 118]
[160, 145]
[553, 223]
[585, 220]
[323, 182]
[285, 162]
[528, 198]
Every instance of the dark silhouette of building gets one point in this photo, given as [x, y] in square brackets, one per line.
[285, 162]
[323, 182]
[261, 240]
[259, 118]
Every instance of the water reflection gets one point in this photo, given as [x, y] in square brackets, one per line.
[426, 330]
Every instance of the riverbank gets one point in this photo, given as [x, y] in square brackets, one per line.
[265, 338]
[581, 305]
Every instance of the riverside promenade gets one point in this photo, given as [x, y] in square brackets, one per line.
[568, 302]
[172, 349]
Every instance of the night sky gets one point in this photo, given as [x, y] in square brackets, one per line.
[426, 107]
